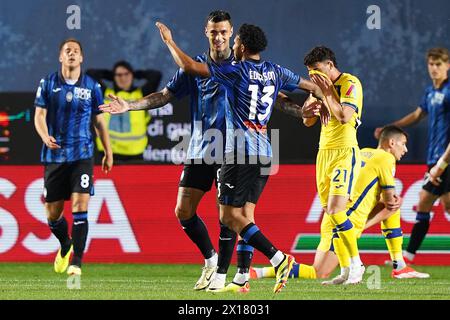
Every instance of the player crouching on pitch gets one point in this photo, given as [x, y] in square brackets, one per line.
[376, 201]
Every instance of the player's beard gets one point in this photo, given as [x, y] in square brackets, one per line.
[222, 55]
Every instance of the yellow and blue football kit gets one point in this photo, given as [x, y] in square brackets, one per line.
[338, 159]
[338, 163]
[377, 173]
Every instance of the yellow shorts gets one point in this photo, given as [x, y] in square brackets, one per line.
[326, 231]
[336, 172]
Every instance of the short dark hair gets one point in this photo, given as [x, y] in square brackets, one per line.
[319, 54]
[390, 131]
[219, 16]
[124, 64]
[70, 40]
[438, 53]
[253, 38]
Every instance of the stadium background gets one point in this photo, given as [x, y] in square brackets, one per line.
[132, 217]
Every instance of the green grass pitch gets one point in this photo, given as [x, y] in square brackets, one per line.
[161, 282]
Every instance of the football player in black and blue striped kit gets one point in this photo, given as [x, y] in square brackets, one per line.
[208, 102]
[66, 105]
[252, 85]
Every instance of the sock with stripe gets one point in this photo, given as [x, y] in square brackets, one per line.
[304, 271]
[227, 240]
[61, 231]
[394, 241]
[197, 232]
[419, 231]
[347, 233]
[268, 272]
[255, 238]
[80, 228]
[341, 251]
[244, 256]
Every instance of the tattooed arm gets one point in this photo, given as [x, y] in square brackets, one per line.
[286, 105]
[152, 101]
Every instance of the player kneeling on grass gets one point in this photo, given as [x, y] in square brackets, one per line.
[376, 201]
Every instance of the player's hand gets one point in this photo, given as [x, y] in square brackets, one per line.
[107, 162]
[50, 142]
[325, 84]
[395, 204]
[311, 108]
[325, 114]
[116, 106]
[377, 132]
[165, 33]
[434, 176]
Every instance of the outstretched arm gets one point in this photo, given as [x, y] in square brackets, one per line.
[181, 59]
[286, 105]
[152, 101]
[408, 120]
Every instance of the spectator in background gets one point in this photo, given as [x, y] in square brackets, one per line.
[128, 131]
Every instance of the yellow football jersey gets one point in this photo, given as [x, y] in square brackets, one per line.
[377, 173]
[336, 135]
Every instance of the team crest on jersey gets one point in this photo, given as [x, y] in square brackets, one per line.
[82, 94]
[69, 96]
[438, 98]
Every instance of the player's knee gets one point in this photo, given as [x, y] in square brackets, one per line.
[53, 212]
[183, 213]
[230, 221]
[226, 220]
[53, 216]
[332, 211]
[79, 207]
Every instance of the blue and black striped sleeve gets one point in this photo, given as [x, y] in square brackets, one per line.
[41, 99]
[97, 98]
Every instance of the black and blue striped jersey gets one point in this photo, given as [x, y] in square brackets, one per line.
[208, 102]
[436, 103]
[70, 109]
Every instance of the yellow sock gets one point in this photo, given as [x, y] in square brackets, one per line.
[393, 236]
[307, 272]
[341, 252]
[269, 272]
[394, 242]
[346, 232]
[395, 248]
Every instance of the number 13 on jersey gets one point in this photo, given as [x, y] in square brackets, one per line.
[266, 101]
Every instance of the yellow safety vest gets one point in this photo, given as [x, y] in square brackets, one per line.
[127, 131]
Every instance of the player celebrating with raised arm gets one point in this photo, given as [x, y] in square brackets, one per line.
[376, 201]
[208, 104]
[436, 104]
[338, 160]
[252, 85]
[66, 104]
